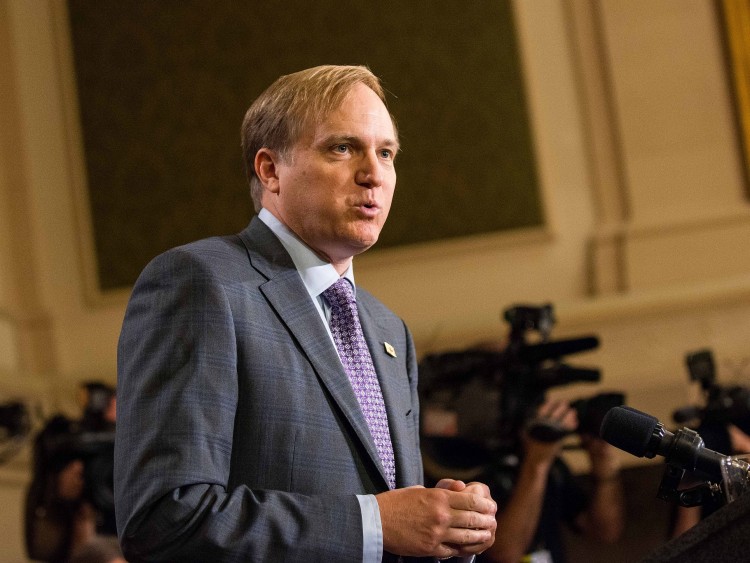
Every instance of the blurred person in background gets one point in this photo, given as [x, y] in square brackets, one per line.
[69, 501]
[539, 494]
[487, 421]
[723, 438]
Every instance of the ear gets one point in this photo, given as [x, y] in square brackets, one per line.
[266, 168]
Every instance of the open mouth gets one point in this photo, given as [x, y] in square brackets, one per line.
[369, 209]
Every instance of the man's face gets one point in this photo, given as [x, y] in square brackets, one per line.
[334, 188]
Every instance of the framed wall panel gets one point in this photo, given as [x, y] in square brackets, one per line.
[161, 89]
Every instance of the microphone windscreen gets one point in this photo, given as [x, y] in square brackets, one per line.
[628, 429]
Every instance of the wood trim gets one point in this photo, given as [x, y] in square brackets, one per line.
[736, 20]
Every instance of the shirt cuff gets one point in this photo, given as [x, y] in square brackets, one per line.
[372, 529]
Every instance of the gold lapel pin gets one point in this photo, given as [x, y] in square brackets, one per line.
[390, 350]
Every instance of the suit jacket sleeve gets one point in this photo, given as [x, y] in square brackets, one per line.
[186, 486]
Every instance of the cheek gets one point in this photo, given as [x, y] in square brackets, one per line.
[388, 200]
[317, 202]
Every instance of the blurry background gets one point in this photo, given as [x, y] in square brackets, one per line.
[586, 153]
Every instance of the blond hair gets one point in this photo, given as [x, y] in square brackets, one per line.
[279, 116]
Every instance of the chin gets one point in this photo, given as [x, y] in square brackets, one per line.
[364, 238]
[362, 247]
[358, 246]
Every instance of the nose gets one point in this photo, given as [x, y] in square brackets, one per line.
[369, 172]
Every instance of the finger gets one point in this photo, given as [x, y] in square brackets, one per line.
[478, 488]
[559, 410]
[470, 520]
[484, 492]
[569, 420]
[472, 502]
[466, 539]
[446, 552]
[546, 408]
[451, 485]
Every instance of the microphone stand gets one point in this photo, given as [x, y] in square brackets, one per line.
[691, 496]
[682, 454]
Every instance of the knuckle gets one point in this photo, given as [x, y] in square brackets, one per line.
[442, 520]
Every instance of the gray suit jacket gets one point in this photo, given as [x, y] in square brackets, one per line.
[239, 437]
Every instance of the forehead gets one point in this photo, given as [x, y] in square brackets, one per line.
[361, 111]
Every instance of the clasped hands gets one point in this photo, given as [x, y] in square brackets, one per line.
[452, 519]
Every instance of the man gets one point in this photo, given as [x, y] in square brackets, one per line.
[240, 436]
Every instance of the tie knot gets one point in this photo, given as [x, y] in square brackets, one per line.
[340, 293]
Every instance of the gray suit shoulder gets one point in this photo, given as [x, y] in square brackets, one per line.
[224, 247]
[224, 255]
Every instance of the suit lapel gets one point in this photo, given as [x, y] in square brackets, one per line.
[286, 293]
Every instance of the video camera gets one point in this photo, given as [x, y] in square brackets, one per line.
[68, 441]
[61, 442]
[520, 374]
[723, 404]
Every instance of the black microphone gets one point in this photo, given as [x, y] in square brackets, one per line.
[642, 435]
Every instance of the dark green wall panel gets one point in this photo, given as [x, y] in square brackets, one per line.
[163, 86]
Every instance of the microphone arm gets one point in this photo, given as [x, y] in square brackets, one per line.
[685, 449]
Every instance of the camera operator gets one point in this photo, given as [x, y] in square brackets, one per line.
[722, 421]
[539, 494]
[720, 438]
[65, 510]
[485, 413]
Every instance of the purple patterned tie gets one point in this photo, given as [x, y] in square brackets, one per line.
[355, 355]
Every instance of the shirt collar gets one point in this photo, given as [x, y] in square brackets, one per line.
[317, 274]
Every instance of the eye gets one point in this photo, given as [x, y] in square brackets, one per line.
[386, 154]
[341, 148]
